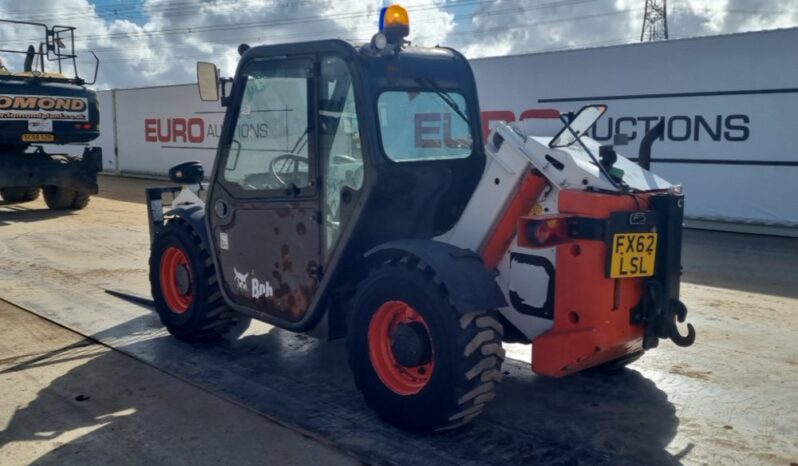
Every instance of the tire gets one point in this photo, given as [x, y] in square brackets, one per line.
[616, 366]
[81, 200]
[185, 287]
[58, 198]
[20, 194]
[441, 384]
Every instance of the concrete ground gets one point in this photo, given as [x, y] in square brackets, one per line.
[69, 400]
[732, 398]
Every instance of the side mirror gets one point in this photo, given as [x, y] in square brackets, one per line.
[190, 172]
[208, 81]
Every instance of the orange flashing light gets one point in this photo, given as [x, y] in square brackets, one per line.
[394, 21]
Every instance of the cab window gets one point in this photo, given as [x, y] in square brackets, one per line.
[339, 137]
[269, 148]
[421, 125]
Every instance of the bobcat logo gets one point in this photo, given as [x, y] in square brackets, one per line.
[241, 279]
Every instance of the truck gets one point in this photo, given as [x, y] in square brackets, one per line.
[45, 106]
[374, 211]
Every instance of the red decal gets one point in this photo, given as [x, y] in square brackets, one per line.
[421, 130]
[178, 129]
[196, 130]
[149, 130]
[174, 130]
[540, 113]
[447, 134]
[495, 115]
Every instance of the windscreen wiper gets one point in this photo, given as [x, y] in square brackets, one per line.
[602, 170]
[445, 97]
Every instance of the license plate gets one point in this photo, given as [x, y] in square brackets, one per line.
[633, 255]
[38, 138]
[40, 126]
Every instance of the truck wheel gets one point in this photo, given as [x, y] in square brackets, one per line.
[20, 194]
[419, 362]
[81, 200]
[58, 198]
[185, 287]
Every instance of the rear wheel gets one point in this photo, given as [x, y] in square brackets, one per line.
[419, 362]
[58, 198]
[185, 287]
[20, 194]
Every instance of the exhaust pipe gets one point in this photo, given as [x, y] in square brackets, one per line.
[29, 56]
[644, 155]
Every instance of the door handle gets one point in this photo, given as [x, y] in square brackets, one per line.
[221, 208]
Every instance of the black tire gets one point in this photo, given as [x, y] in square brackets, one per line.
[616, 366]
[207, 316]
[466, 351]
[81, 200]
[20, 194]
[58, 198]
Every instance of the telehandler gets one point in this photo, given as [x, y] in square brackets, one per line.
[373, 211]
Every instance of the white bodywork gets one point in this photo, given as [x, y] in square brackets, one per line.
[505, 169]
[188, 195]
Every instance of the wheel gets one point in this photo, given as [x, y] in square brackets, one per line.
[617, 365]
[185, 287]
[81, 200]
[20, 194]
[58, 198]
[419, 362]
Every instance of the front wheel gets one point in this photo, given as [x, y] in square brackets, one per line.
[185, 287]
[419, 362]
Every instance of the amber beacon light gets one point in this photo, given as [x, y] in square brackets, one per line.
[394, 23]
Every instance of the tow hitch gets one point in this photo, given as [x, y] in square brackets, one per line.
[660, 307]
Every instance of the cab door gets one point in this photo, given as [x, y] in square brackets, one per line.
[264, 207]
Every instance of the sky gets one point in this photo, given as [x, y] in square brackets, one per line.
[158, 42]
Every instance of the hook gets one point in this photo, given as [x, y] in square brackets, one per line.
[680, 340]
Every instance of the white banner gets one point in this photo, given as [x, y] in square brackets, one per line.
[160, 127]
[728, 103]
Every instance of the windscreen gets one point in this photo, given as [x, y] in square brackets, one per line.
[422, 125]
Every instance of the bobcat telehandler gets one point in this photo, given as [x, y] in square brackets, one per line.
[373, 211]
[47, 102]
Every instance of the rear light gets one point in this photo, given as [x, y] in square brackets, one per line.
[543, 232]
[82, 125]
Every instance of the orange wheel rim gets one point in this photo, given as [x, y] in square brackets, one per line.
[400, 379]
[176, 280]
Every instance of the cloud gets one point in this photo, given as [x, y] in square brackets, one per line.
[161, 42]
[174, 34]
[523, 26]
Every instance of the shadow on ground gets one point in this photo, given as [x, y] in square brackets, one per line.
[110, 410]
[11, 212]
[306, 384]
